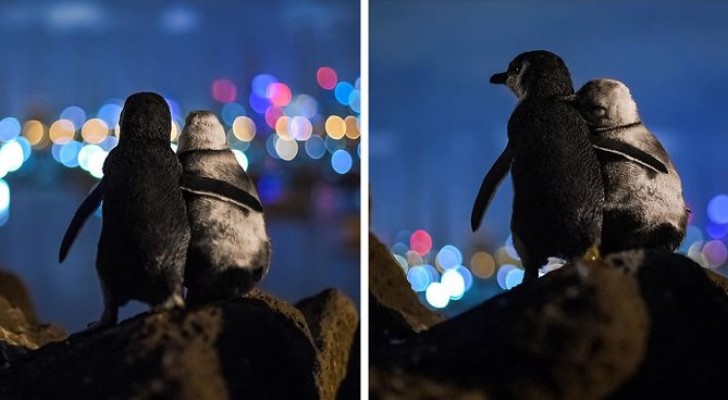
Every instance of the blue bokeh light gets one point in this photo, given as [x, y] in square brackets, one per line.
[260, 84]
[514, 278]
[230, 111]
[75, 114]
[342, 92]
[341, 161]
[9, 129]
[68, 155]
[419, 278]
[718, 209]
[315, 147]
[110, 113]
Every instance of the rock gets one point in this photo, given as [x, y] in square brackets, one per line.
[350, 387]
[687, 355]
[253, 348]
[398, 385]
[332, 319]
[20, 331]
[577, 333]
[395, 312]
[15, 291]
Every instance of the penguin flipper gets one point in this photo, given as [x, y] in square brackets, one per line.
[629, 152]
[89, 205]
[492, 180]
[219, 189]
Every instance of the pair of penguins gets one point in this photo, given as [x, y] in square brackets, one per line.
[170, 220]
[589, 178]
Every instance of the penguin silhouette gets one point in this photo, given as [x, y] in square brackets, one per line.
[643, 208]
[557, 183]
[229, 251]
[145, 231]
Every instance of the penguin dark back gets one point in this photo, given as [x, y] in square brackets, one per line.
[558, 189]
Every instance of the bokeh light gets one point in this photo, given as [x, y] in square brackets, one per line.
[68, 154]
[244, 129]
[286, 149]
[94, 131]
[279, 94]
[502, 273]
[315, 147]
[34, 131]
[260, 84]
[224, 90]
[514, 278]
[341, 161]
[717, 231]
[231, 111]
[437, 295]
[342, 92]
[110, 113]
[402, 262]
[61, 131]
[715, 253]
[352, 127]
[326, 78]
[281, 127]
[300, 128]
[11, 156]
[4, 202]
[718, 209]
[259, 104]
[75, 114]
[354, 100]
[482, 264]
[449, 257]
[241, 158]
[421, 242]
[413, 258]
[9, 129]
[272, 115]
[467, 276]
[335, 127]
[454, 284]
[419, 278]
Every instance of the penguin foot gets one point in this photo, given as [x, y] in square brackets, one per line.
[174, 301]
[592, 254]
[108, 318]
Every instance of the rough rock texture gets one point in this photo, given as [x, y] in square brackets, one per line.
[687, 354]
[20, 331]
[333, 320]
[395, 312]
[258, 347]
[350, 387]
[636, 325]
[576, 334]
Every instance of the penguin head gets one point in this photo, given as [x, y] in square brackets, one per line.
[538, 73]
[202, 131]
[145, 116]
[606, 103]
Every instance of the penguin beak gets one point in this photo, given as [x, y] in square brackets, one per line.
[499, 79]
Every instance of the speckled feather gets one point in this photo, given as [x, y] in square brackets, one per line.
[144, 233]
[230, 249]
[642, 209]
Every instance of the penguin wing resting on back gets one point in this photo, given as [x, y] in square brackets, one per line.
[643, 209]
[230, 250]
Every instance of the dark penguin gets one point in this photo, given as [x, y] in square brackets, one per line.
[558, 189]
[230, 250]
[145, 231]
[642, 208]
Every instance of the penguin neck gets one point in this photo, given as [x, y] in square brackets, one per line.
[548, 86]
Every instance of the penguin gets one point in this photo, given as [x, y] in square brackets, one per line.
[145, 231]
[558, 188]
[643, 208]
[229, 252]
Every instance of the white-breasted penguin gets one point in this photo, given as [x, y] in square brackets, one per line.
[230, 249]
[558, 189]
[642, 208]
[145, 231]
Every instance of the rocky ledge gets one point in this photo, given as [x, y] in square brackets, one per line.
[635, 325]
[258, 347]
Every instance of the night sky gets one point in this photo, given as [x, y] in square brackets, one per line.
[437, 125]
